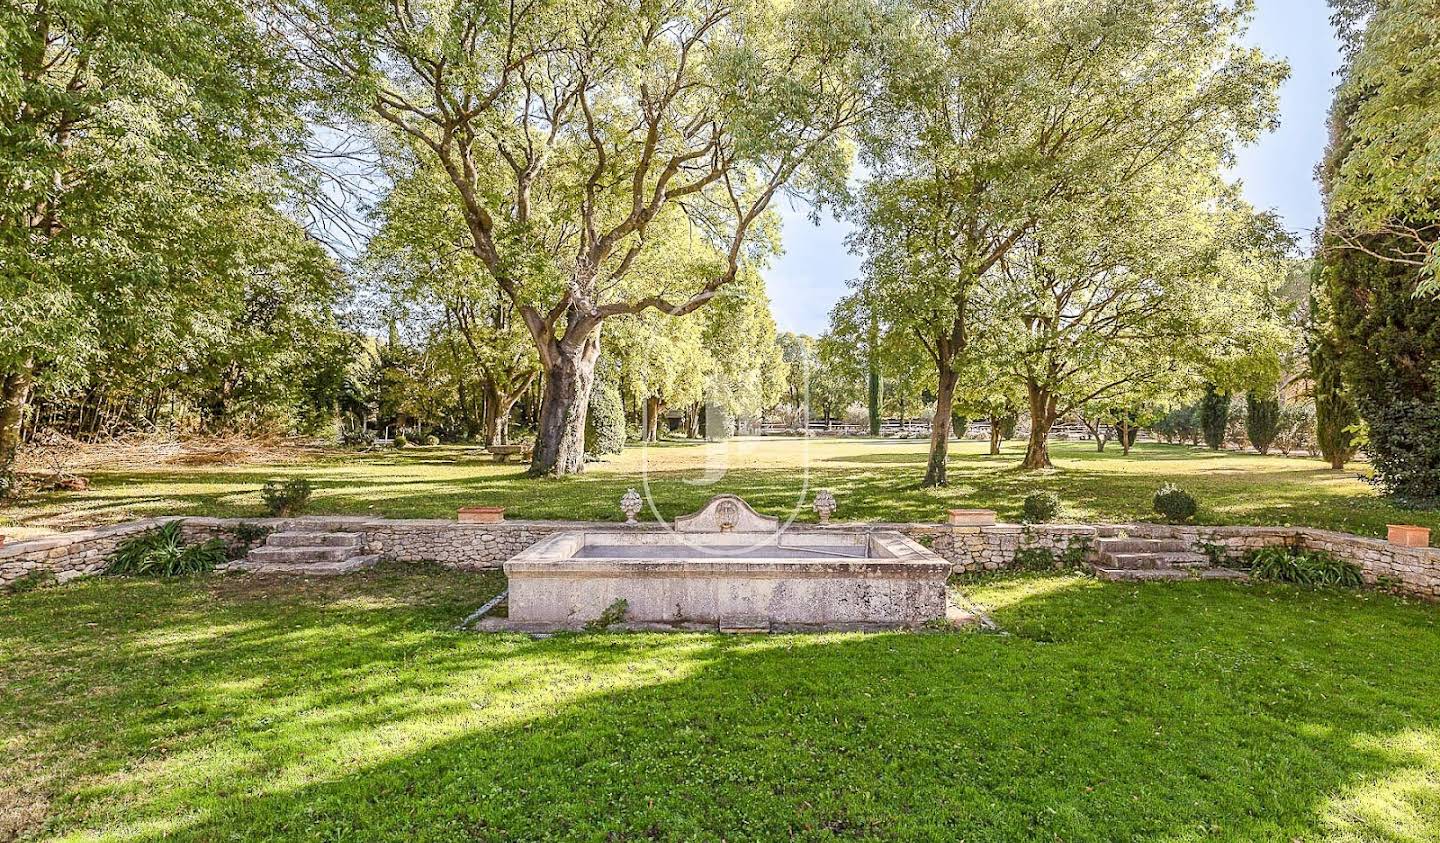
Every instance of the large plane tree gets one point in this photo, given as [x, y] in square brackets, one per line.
[571, 131]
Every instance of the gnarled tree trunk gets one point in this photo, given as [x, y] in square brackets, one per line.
[994, 436]
[497, 415]
[1042, 417]
[569, 366]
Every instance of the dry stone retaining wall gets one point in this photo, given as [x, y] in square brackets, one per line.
[1414, 571]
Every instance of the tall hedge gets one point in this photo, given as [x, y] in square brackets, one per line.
[1214, 413]
[1379, 190]
[1389, 339]
[1262, 419]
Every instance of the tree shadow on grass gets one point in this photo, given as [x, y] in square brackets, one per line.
[1109, 712]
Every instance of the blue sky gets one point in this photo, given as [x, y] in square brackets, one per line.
[1276, 173]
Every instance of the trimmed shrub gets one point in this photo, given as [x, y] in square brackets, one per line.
[402, 441]
[1175, 504]
[1302, 567]
[286, 497]
[605, 419]
[1404, 448]
[1262, 419]
[432, 439]
[959, 423]
[1179, 425]
[1040, 507]
[163, 553]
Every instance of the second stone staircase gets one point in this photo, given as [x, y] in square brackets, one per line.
[309, 553]
[1123, 558]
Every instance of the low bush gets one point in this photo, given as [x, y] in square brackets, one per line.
[1175, 504]
[357, 437]
[1302, 567]
[249, 534]
[432, 439]
[1040, 507]
[402, 441]
[162, 552]
[286, 497]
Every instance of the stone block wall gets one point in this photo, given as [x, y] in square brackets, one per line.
[68, 555]
[1413, 571]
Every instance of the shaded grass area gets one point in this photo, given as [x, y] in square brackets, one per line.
[873, 480]
[236, 708]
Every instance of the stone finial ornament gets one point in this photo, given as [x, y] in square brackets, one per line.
[824, 505]
[630, 505]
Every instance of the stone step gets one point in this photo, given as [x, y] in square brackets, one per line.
[296, 538]
[1148, 561]
[307, 569]
[1150, 574]
[301, 555]
[1133, 545]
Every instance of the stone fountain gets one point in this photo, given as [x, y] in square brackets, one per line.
[725, 567]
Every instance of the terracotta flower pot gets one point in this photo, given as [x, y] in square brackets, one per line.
[972, 517]
[482, 514]
[1409, 535]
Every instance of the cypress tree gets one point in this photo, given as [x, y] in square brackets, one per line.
[1385, 326]
[959, 423]
[1390, 351]
[1262, 419]
[1214, 413]
[1335, 414]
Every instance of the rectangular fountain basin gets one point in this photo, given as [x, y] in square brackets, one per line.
[791, 580]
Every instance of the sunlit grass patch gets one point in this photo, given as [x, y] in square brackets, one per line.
[248, 708]
[874, 480]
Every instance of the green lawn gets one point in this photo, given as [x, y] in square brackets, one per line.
[873, 480]
[229, 708]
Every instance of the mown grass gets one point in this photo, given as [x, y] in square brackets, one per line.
[231, 708]
[873, 480]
